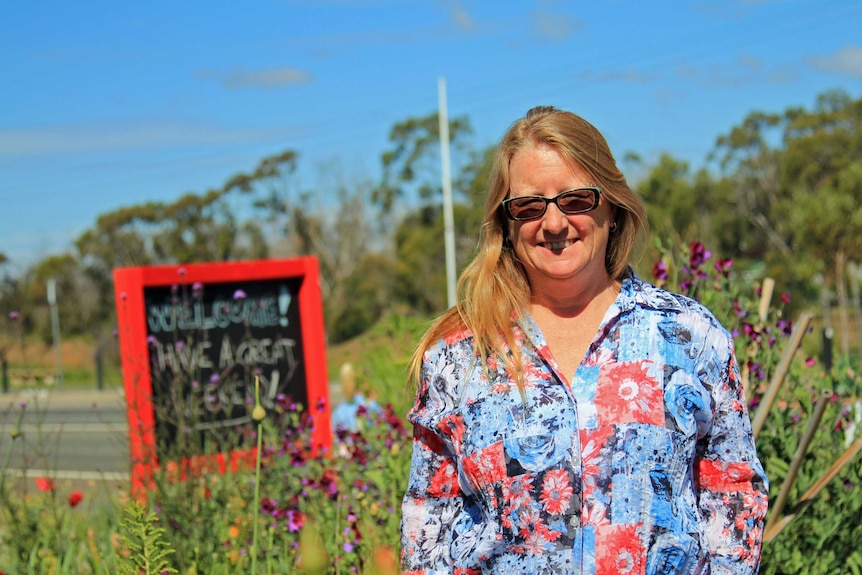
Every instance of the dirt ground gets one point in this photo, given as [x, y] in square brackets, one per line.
[75, 354]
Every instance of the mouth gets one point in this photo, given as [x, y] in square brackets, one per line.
[558, 246]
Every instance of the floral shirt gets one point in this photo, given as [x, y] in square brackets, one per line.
[645, 463]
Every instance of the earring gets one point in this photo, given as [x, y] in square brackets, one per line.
[613, 227]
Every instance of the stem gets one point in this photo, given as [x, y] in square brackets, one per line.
[256, 509]
[15, 435]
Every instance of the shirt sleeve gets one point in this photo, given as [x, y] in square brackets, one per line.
[434, 501]
[732, 487]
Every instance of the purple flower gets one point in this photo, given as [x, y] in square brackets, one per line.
[214, 378]
[723, 266]
[197, 288]
[699, 254]
[151, 340]
[239, 294]
[181, 271]
[659, 270]
[179, 345]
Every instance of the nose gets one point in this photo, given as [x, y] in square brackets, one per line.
[554, 220]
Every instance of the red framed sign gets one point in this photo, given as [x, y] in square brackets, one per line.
[195, 339]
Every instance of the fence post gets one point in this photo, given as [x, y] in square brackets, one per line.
[4, 374]
[780, 372]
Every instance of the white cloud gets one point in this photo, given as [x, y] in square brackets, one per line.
[555, 27]
[275, 78]
[630, 76]
[744, 70]
[847, 62]
[459, 15]
[89, 138]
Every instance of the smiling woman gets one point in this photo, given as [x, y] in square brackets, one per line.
[579, 418]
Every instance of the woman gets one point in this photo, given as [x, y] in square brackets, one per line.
[569, 417]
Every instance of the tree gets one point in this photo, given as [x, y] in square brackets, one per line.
[822, 169]
[753, 164]
[413, 161]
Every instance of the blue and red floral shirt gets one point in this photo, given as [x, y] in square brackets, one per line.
[645, 463]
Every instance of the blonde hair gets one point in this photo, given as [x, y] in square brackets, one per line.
[493, 288]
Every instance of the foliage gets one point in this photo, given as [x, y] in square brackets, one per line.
[820, 539]
[338, 511]
[144, 537]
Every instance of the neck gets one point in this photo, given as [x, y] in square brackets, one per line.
[563, 301]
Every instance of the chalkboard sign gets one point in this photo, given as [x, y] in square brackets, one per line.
[194, 340]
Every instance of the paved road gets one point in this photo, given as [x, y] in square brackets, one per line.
[66, 434]
[71, 434]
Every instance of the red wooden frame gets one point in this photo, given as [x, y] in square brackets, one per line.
[129, 287]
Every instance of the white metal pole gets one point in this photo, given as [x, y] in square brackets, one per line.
[55, 322]
[448, 219]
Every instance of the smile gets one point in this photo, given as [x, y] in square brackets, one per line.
[555, 246]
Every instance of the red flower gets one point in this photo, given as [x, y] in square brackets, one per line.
[556, 491]
[444, 482]
[44, 484]
[74, 498]
[629, 393]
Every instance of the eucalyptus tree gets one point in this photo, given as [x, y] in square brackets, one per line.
[798, 178]
[411, 190]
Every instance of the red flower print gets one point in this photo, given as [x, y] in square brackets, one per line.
[592, 442]
[444, 482]
[44, 484]
[516, 490]
[454, 426]
[627, 393]
[618, 551]
[595, 513]
[723, 477]
[75, 498]
[556, 491]
[486, 466]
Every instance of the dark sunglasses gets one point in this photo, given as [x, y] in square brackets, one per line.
[576, 201]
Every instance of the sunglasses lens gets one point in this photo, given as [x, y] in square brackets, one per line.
[576, 201]
[527, 208]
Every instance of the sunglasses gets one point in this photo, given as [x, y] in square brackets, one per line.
[578, 201]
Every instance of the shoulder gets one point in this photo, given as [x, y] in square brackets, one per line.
[649, 297]
[677, 317]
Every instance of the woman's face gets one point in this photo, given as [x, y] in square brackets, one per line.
[557, 246]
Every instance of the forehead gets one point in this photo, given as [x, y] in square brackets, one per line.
[541, 168]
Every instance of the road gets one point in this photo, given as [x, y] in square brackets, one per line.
[66, 434]
[71, 434]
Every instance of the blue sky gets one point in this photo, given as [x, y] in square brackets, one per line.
[108, 104]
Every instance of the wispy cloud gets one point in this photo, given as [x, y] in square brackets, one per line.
[742, 71]
[459, 15]
[265, 79]
[609, 76]
[847, 62]
[102, 137]
[554, 26]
